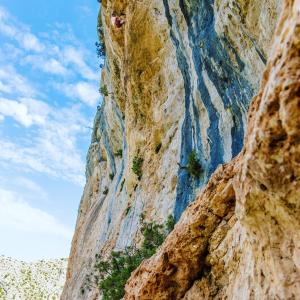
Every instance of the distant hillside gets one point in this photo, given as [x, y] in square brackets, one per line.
[43, 279]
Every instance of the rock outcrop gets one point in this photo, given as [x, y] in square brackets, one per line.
[240, 238]
[180, 76]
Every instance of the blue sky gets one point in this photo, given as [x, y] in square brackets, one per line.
[49, 79]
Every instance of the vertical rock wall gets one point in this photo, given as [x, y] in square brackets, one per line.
[180, 76]
[240, 238]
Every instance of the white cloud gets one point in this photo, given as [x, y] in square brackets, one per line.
[48, 65]
[15, 154]
[13, 83]
[31, 186]
[76, 57]
[26, 111]
[18, 214]
[54, 66]
[52, 148]
[86, 92]
[30, 42]
[9, 52]
[48, 139]
[44, 140]
[17, 31]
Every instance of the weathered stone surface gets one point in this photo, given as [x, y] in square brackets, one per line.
[43, 279]
[240, 238]
[180, 76]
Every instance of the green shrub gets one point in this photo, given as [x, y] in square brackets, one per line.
[105, 192]
[111, 176]
[137, 166]
[100, 46]
[112, 274]
[103, 90]
[194, 167]
[119, 153]
[170, 223]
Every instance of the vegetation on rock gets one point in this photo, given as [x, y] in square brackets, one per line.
[100, 45]
[194, 167]
[137, 166]
[119, 153]
[105, 192]
[42, 279]
[103, 91]
[111, 274]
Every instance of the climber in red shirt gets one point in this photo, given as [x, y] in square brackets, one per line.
[117, 21]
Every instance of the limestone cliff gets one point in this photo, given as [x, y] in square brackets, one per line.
[180, 76]
[240, 238]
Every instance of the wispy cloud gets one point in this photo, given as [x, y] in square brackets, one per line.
[86, 92]
[48, 92]
[49, 142]
[18, 31]
[76, 57]
[53, 147]
[18, 214]
[26, 111]
[52, 53]
[28, 185]
[12, 82]
[48, 65]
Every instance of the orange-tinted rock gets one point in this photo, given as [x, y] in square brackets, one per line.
[179, 77]
[240, 238]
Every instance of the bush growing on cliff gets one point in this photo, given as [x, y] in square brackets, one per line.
[112, 274]
[137, 164]
[100, 49]
[170, 223]
[103, 91]
[106, 190]
[194, 167]
[119, 153]
[100, 44]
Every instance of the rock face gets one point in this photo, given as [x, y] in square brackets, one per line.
[180, 76]
[43, 279]
[240, 238]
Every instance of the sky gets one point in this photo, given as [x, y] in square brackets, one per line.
[49, 81]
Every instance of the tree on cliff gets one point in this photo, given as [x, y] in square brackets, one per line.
[111, 274]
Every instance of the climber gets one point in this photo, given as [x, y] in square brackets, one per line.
[117, 21]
